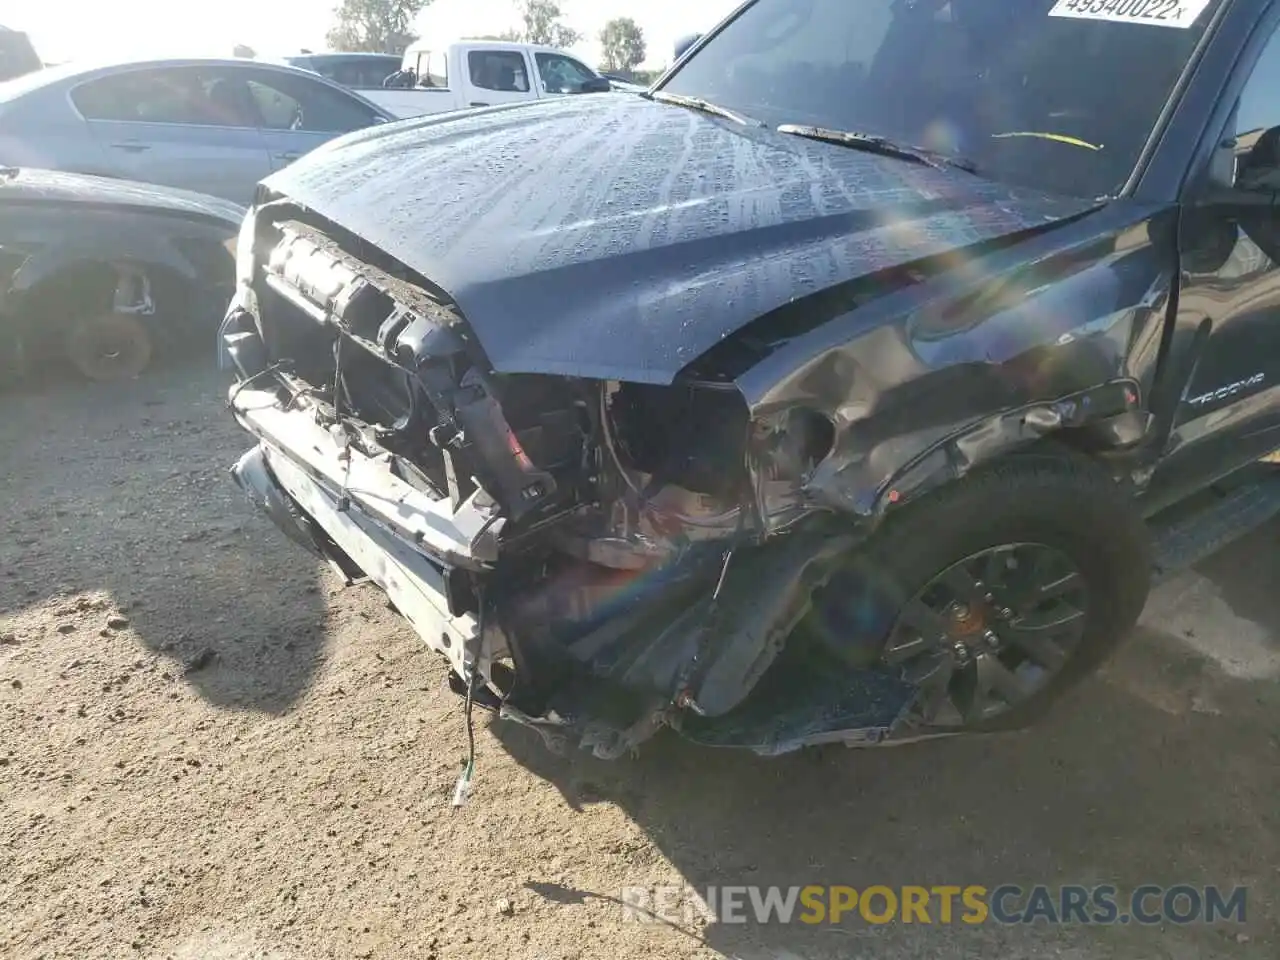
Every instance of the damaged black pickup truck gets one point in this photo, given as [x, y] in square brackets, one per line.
[847, 386]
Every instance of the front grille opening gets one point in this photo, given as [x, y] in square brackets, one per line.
[406, 356]
[381, 394]
[291, 334]
[375, 391]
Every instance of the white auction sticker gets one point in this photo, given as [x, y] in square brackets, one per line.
[1155, 13]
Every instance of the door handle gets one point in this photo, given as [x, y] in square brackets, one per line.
[289, 156]
[132, 146]
[477, 103]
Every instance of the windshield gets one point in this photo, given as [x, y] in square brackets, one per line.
[1060, 95]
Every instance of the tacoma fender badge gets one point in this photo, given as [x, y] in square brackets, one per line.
[1227, 390]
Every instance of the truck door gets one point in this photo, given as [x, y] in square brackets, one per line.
[499, 76]
[1228, 320]
[563, 75]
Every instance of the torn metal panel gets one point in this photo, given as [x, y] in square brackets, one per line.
[1072, 309]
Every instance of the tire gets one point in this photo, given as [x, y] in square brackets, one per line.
[1066, 504]
[109, 347]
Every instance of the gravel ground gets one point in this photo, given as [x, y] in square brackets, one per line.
[209, 751]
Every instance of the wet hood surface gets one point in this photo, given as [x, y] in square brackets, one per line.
[32, 186]
[614, 237]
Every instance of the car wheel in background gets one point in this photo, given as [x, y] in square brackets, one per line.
[109, 347]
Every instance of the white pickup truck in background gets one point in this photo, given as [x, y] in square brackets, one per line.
[481, 73]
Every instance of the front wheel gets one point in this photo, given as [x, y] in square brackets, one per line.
[1005, 588]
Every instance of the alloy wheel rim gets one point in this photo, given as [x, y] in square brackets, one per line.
[989, 632]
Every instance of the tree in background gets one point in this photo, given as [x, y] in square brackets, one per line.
[374, 26]
[542, 24]
[623, 43]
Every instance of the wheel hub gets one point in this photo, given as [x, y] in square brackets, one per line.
[111, 346]
[967, 619]
[989, 632]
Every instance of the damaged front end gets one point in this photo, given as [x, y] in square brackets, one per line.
[595, 559]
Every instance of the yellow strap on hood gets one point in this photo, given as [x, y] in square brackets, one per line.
[1057, 137]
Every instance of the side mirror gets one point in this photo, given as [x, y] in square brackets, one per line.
[1244, 171]
[595, 85]
[1222, 166]
[685, 42]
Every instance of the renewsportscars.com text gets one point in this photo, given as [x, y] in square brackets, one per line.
[1101, 904]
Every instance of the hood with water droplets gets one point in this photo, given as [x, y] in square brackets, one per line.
[610, 236]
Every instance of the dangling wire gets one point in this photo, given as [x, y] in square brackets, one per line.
[344, 496]
[463, 787]
[280, 364]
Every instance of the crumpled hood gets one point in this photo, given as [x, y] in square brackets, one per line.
[33, 185]
[615, 237]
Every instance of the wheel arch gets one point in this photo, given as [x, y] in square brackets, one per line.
[1106, 425]
[1062, 499]
[60, 291]
[55, 291]
[145, 253]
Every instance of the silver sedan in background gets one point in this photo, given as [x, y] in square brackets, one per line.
[213, 126]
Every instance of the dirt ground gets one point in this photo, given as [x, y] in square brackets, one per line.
[208, 751]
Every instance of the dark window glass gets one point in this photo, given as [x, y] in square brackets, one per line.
[1260, 100]
[373, 70]
[295, 103]
[1057, 102]
[501, 70]
[1257, 124]
[279, 111]
[562, 74]
[358, 71]
[178, 95]
[433, 69]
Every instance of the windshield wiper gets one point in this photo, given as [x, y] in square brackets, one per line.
[881, 145]
[705, 106]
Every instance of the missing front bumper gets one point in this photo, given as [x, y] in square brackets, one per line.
[366, 521]
[616, 685]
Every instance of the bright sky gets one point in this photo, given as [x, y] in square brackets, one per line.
[78, 28]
